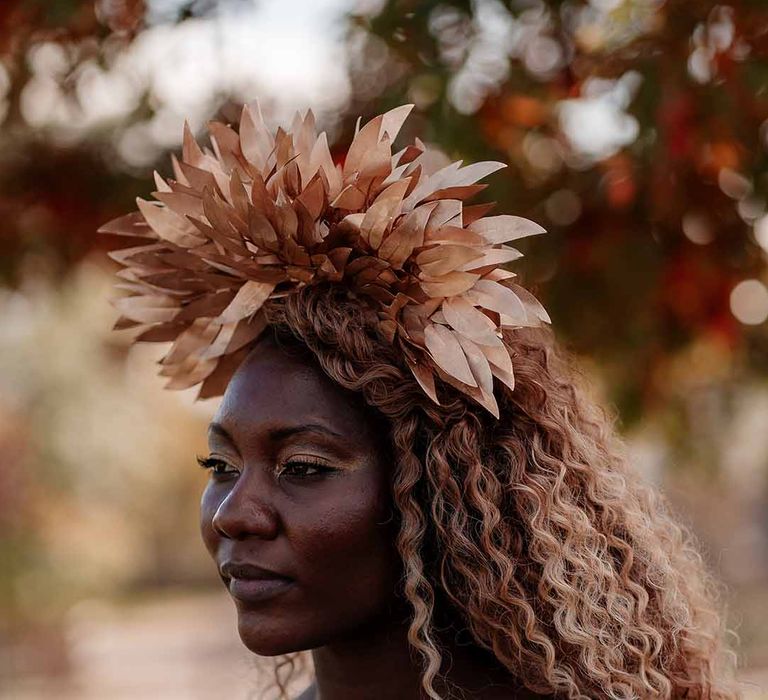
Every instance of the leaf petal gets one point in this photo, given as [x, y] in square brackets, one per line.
[492, 256]
[424, 377]
[450, 284]
[503, 228]
[382, 213]
[392, 121]
[532, 304]
[494, 296]
[256, 142]
[407, 235]
[365, 140]
[446, 351]
[320, 159]
[483, 374]
[248, 300]
[169, 226]
[198, 336]
[133, 224]
[469, 321]
[442, 259]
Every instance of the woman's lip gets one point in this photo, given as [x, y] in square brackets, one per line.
[246, 570]
[258, 590]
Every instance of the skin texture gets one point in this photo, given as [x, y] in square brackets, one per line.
[311, 505]
[314, 506]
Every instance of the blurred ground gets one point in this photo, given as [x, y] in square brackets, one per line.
[175, 647]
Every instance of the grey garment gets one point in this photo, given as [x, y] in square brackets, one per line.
[309, 694]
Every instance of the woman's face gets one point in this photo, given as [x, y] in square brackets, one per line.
[297, 512]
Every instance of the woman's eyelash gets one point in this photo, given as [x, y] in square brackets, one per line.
[296, 466]
[218, 466]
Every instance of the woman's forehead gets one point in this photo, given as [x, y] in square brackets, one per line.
[275, 388]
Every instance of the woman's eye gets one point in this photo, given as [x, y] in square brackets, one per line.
[218, 467]
[303, 469]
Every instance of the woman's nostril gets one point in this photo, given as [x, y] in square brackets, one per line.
[238, 517]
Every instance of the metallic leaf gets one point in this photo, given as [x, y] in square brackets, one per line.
[446, 351]
[500, 229]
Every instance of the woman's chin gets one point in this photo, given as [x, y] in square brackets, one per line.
[266, 637]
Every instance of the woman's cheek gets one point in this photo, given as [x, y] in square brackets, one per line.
[209, 502]
[344, 537]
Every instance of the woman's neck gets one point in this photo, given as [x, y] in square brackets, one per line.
[377, 664]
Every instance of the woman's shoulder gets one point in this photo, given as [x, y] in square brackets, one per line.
[309, 694]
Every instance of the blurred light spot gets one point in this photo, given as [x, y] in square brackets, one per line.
[48, 58]
[608, 24]
[542, 152]
[749, 302]
[734, 184]
[477, 49]
[290, 54]
[424, 90]
[597, 125]
[136, 146]
[121, 16]
[165, 127]
[372, 8]
[371, 64]
[466, 98]
[543, 56]
[761, 232]
[709, 40]
[721, 29]
[606, 5]
[452, 29]
[750, 208]
[41, 102]
[563, 207]
[523, 110]
[105, 96]
[5, 84]
[590, 36]
[159, 11]
[740, 50]
[697, 228]
[620, 188]
[699, 65]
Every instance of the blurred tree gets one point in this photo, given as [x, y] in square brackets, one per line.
[636, 132]
[53, 193]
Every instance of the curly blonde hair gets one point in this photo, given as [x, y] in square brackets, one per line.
[532, 529]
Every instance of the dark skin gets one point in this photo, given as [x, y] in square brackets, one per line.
[299, 499]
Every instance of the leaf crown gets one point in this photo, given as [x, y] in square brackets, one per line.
[261, 214]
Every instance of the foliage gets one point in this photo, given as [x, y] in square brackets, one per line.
[648, 236]
[635, 131]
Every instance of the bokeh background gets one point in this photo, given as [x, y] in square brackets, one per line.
[636, 132]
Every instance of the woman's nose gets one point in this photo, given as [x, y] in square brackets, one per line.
[245, 512]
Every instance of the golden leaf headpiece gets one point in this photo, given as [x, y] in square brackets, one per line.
[262, 214]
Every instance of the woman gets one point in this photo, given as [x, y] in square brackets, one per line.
[405, 476]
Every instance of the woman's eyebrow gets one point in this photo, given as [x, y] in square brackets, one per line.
[278, 434]
[218, 430]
